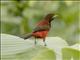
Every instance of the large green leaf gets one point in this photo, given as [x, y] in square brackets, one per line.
[15, 48]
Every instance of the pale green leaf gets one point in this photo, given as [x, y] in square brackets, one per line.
[15, 48]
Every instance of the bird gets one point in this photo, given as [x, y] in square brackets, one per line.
[42, 28]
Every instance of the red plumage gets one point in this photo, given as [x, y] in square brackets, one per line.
[42, 28]
[40, 34]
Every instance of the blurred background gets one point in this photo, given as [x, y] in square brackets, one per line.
[19, 17]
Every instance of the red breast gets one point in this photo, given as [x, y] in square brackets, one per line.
[40, 34]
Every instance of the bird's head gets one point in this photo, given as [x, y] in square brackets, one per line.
[50, 17]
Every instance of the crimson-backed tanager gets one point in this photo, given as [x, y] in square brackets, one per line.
[42, 28]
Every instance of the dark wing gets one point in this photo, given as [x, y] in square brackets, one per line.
[41, 28]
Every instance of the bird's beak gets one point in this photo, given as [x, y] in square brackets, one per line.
[55, 16]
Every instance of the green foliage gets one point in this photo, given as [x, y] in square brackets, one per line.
[27, 13]
[19, 17]
[24, 25]
[16, 48]
[9, 28]
[69, 53]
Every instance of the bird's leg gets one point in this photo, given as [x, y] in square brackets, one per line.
[44, 42]
[35, 41]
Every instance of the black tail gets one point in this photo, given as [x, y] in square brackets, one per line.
[27, 36]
